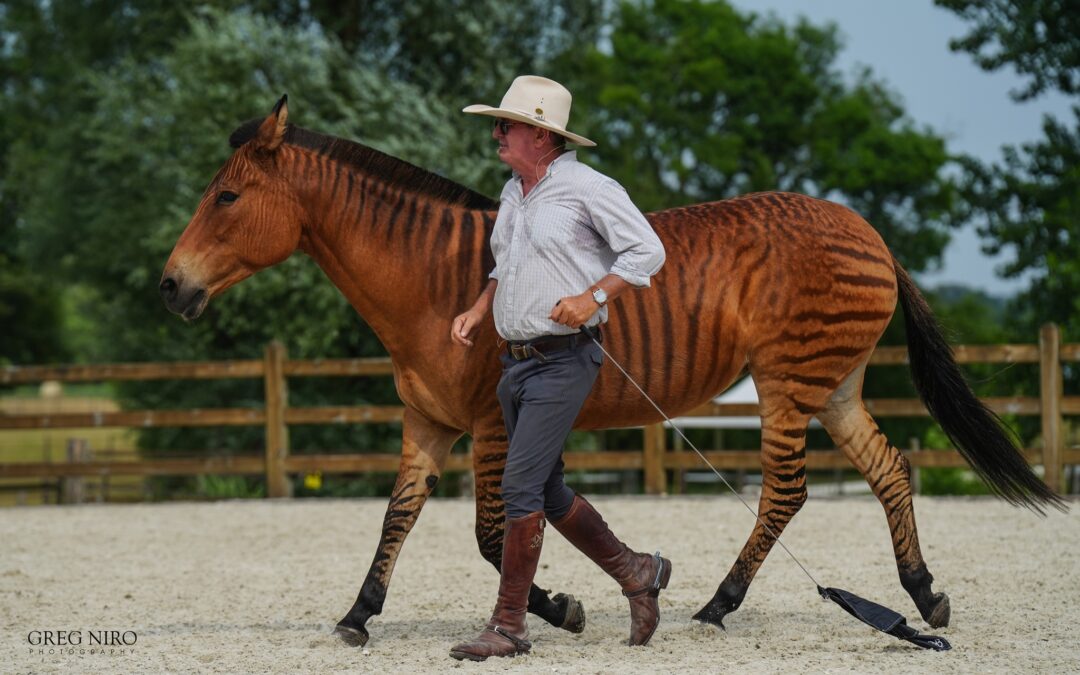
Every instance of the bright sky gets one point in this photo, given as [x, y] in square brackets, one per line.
[905, 43]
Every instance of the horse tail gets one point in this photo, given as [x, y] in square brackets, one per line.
[973, 428]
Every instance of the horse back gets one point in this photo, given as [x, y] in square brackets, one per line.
[756, 283]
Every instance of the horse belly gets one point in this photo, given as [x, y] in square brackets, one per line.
[680, 365]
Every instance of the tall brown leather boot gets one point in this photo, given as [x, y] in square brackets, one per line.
[641, 575]
[506, 633]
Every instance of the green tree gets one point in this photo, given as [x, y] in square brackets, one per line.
[460, 49]
[1030, 200]
[30, 313]
[156, 136]
[695, 101]
[131, 160]
[1031, 205]
[1036, 37]
[116, 116]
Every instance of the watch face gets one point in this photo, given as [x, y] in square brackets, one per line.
[600, 296]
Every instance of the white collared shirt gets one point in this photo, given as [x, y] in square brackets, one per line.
[575, 227]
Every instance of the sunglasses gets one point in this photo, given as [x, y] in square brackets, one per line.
[503, 125]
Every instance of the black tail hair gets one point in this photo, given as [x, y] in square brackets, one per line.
[973, 428]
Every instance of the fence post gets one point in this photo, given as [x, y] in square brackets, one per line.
[73, 488]
[1050, 395]
[277, 433]
[653, 460]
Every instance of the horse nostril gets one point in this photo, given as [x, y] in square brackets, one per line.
[168, 288]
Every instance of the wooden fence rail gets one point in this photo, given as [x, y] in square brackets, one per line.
[654, 460]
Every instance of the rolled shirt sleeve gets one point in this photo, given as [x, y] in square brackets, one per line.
[639, 252]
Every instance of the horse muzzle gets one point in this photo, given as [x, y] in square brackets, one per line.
[187, 302]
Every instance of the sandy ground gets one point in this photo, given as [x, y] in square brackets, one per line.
[258, 586]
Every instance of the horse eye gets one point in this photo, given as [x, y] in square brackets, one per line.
[227, 197]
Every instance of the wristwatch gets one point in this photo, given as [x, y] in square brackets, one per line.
[600, 296]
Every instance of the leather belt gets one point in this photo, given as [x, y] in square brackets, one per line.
[519, 350]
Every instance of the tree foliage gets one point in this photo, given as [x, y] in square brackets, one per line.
[1036, 37]
[694, 101]
[1030, 200]
[117, 114]
[131, 141]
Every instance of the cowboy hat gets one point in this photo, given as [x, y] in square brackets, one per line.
[537, 101]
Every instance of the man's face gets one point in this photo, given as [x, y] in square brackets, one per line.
[518, 145]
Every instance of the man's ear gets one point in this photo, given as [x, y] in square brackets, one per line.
[541, 136]
[272, 130]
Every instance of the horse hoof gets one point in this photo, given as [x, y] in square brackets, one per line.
[939, 616]
[354, 637]
[574, 620]
[711, 614]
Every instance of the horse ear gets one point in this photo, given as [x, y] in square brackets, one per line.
[272, 130]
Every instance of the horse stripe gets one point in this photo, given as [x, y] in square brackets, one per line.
[804, 407]
[641, 352]
[785, 337]
[666, 346]
[857, 254]
[842, 317]
[475, 271]
[828, 352]
[797, 474]
[465, 259]
[395, 213]
[866, 280]
[694, 310]
[779, 444]
[829, 383]
[336, 168]
[617, 316]
[796, 490]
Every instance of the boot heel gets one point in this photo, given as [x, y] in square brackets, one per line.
[663, 572]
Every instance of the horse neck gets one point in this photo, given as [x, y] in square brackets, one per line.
[406, 261]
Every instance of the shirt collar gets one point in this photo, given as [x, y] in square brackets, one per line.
[562, 160]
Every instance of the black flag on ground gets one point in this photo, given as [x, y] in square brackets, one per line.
[883, 619]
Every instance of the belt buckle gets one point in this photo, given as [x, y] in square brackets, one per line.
[519, 352]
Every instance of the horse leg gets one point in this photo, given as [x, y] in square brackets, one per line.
[783, 492]
[424, 448]
[889, 475]
[489, 458]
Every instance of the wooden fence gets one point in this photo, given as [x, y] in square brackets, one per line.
[655, 460]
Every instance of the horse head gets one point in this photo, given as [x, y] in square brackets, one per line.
[249, 219]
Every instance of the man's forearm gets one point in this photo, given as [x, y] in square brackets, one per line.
[487, 298]
[613, 286]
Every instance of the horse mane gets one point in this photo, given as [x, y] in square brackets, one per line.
[396, 171]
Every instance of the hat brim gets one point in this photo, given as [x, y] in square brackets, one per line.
[518, 116]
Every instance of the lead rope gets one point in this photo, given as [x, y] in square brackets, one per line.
[877, 616]
[749, 508]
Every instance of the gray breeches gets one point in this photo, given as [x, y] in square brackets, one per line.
[540, 402]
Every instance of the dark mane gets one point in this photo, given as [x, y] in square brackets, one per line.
[393, 170]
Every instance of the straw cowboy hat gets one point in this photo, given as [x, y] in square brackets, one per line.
[537, 101]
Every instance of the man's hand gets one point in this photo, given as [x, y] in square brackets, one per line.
[463, 324]
[575, 310]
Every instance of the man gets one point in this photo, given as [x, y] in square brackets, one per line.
[567, 241]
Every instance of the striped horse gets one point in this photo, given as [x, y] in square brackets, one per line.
[794, 290]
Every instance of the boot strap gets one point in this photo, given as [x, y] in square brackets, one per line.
[521, 645]
[654, 588]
